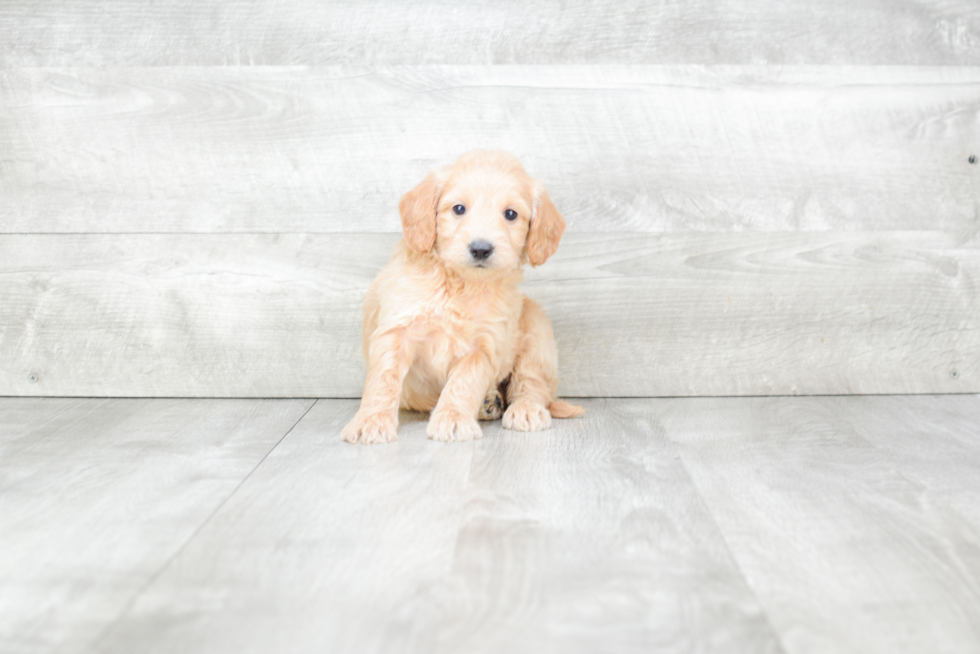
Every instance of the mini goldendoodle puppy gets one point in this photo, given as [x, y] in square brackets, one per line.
[446, 328]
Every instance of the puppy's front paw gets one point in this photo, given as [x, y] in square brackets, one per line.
[526, 416]
[449, 426]
[371, 428]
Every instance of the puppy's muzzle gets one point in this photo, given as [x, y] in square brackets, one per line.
[481, 250]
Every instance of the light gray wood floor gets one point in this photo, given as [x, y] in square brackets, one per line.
[780, 524]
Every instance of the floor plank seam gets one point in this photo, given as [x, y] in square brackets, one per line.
[166, 564]
[777, 636]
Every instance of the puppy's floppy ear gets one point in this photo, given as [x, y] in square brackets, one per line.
[418, 211]
[547, 226]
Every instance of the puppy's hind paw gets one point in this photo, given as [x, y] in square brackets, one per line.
[493, 406]
[452, 426]
[371, 428]
[526, 416]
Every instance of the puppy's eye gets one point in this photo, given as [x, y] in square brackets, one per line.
[510, 214]
[459, 210]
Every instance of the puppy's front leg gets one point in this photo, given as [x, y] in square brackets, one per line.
[535, 376]
[390, 356]
[454, 418]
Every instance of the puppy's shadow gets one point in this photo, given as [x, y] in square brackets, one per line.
[406, 417]
[411, 424]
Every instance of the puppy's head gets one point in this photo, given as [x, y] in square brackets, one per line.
[482, 214]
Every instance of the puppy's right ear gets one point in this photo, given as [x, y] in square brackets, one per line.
[418, 211]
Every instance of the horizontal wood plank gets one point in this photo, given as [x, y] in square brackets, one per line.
[634, 315]
[183, 32]
[621, 148]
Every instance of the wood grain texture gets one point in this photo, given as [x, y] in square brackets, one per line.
[764, 314]
[941, 454]
[331, 548]
[634, 315]
[674, 525]
[586, 538]
[621, 148]
[181, 32]
[97, 495]
[846, 547]
[669, 525]
[186, 315]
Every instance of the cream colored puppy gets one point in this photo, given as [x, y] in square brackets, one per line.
[445, 323]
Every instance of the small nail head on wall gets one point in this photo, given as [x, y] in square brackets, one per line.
[972, 159]
[954, 373]
[32, 378]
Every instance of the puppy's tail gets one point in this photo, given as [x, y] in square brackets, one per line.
[562, 409]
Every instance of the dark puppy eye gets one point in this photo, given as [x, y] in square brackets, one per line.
[459, 210]
[510, 214]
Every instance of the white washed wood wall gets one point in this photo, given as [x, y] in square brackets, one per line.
[763, 197]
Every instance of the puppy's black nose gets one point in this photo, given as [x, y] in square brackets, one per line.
[480, 250]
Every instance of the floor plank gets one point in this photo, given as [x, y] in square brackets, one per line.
[569, 541]
[328, 547]
[97, 495]
[253, 315]
[934, 441]
[620, 148]
[591, 537]
[182, 32]
[842, 524]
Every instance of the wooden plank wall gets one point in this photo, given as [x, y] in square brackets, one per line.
[763, 197]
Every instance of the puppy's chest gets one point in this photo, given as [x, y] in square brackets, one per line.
[463, 323]
[472, 314]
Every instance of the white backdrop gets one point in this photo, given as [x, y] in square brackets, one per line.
[762, 197]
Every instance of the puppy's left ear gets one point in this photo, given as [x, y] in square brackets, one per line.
[547, 226]
[418, 212]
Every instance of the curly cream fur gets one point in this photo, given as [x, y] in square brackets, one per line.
[441, 328]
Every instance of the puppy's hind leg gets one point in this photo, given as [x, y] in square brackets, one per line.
[495, 403]
[531, 392]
